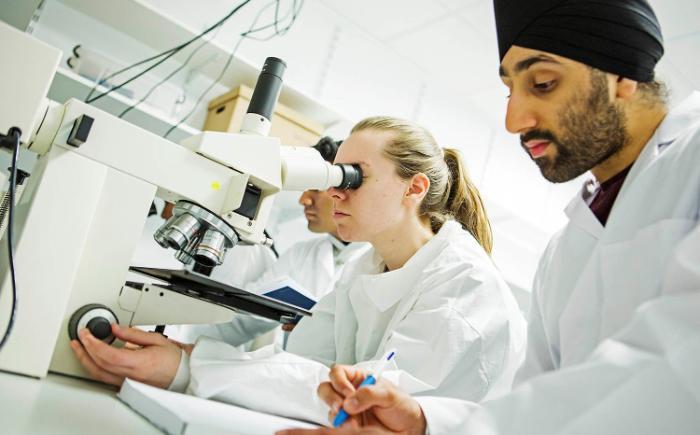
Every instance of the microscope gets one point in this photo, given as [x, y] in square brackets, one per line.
[84, 206]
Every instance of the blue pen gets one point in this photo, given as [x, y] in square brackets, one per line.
[342, 416]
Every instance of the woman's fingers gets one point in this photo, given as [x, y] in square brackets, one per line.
[382, 396]
[108, 357]
[93, 369]
[334, 400]
[344, 378]
[138, 336]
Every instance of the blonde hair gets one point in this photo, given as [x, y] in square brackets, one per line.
[451, 194]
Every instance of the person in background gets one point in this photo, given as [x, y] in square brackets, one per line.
[614, 332]
[427, 289]
[315, 264]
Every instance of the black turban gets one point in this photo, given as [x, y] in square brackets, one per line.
[622, 37]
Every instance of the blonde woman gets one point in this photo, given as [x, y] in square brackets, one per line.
[428, 289]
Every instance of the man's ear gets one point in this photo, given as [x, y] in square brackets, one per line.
[625, 89]
[418, 187]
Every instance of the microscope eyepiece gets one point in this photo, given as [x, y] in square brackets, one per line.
[268, 88]
[352, 176]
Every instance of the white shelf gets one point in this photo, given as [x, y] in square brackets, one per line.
[161, 32]
[67, 84]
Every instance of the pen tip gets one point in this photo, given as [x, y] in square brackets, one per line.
[391, 355]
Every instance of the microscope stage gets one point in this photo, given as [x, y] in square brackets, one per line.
[202, 287]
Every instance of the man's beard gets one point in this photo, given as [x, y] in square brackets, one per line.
[593, 130]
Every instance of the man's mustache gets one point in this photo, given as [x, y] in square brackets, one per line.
[538, 134]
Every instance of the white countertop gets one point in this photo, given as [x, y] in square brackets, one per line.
[64, 405]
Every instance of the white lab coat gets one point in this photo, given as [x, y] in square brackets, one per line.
[448, 313]
[614, 334]
[311, 263]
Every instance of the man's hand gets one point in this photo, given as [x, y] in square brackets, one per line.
[377, 409]
[150, 358]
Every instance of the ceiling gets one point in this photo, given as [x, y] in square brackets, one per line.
[446, 38]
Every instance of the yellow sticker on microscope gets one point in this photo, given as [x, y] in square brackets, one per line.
[216, 185]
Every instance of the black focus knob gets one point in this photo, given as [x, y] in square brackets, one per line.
[100, 327]
[95, 317]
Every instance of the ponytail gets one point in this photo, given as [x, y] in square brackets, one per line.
[463, 201]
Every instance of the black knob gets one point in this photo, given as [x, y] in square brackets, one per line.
[80, 131]
[100, 327]
[97, 318]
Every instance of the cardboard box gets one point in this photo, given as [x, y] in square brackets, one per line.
[226, 113]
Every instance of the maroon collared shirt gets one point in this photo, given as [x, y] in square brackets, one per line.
[606, 195]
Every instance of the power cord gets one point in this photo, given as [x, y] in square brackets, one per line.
[14, 133]
[167, 54]
[244, 35]
[165, 79]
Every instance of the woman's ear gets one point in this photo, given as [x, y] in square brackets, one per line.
[418, 187]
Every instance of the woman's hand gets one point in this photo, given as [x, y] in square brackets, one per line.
[377, 409]
[149, 358]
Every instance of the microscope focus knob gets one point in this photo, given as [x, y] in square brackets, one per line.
[100, 327]
[97, 318]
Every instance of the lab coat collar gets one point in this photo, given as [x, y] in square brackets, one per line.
[337, 243]
[681, 118]
[677, 121]
[347, 251]
[388, 288]
[580, 213]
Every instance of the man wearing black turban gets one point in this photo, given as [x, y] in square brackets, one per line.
[581, 76]
[614, 332]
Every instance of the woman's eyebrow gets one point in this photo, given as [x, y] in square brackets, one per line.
[356, 162]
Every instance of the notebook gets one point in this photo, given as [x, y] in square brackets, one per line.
[181, 414]
[285, 289]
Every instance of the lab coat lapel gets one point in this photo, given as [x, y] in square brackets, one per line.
[388, 288]
[414, 275]
[346, 321]
[600, 293]
[580, 214]
[639, 241]
[625, 266]
[582, 321]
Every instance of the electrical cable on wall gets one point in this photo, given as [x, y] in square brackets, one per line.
[14, 133]
[165, 56]
[294, 10]
[166, 78]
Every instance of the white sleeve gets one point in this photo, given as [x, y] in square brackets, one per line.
[243, 328]
[182, 377]
[267, 380]
[644, 380]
